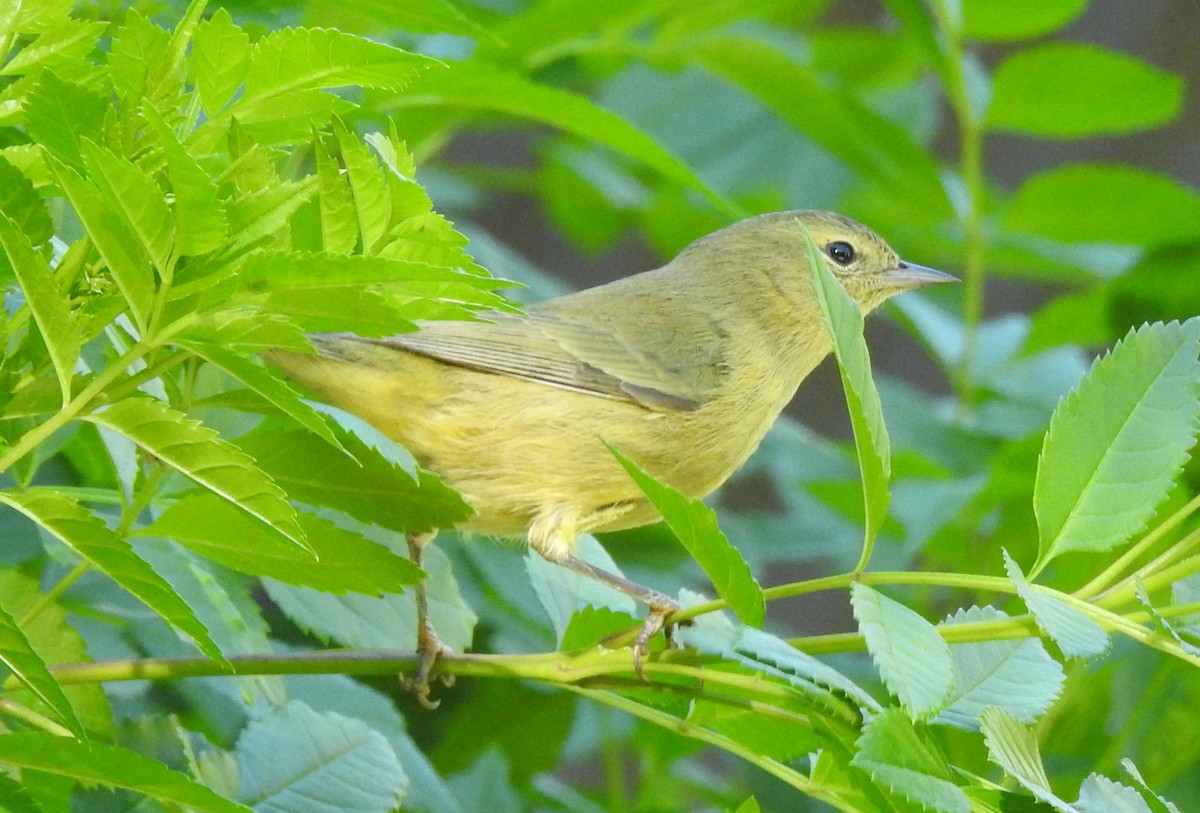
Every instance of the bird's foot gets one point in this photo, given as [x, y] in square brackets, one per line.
[660, 609]
[431, 649]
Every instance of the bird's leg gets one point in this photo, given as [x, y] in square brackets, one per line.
[429, 646]
[659, 604]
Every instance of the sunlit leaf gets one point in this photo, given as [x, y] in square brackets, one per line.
[19, 657]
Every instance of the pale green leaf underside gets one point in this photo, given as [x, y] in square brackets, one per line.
[1076, 635]
[1014, 748]
[1117, 442]
[912, 658]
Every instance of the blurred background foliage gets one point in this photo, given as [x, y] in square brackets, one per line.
[1043, 150]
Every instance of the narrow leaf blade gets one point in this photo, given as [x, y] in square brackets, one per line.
[20, 658]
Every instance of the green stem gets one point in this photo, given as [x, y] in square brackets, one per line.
[34, 437]
[30, 716]
[51, 595]
[1102, 581]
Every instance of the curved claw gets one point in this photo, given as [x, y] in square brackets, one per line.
[431, 650]
[655, 621]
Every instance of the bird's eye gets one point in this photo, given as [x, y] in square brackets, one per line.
[841, 253]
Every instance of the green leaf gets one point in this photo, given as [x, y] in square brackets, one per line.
[591, 625]
[138, 55]
[83, 533]
[1018, 676]
[344, 561]
[415, 16]
[1099, 794]
[47, 303]
[266, 271]
[695, 526]
[366, 486]
[339, 217]
[133, 195]
[565, 593]
[199, 212]
[477, 86]
[386, 622]
[18, 655]
[1017, 19]
[295, 756]
[63, 45]
[96, 763]
[20, 201]
[1116, 443]
[197, 452]
[1076, 635]
[220, 59]
[898, 757]
[266, 382]
[267, 212]
[1072, 90]
[1104, 203]
[58, 113]
[14, 797]
[913, 659]
[1014, 748]
[115, 240]
[844, 321]
[883, 152]
[44, 623]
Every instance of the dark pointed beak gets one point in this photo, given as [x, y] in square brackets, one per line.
[910, 275]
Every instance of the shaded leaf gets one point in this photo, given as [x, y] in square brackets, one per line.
[342, 561]
[28, 667]
[695, 525]
[897, 757]
[83, 533]
[1076, 635]
[96, 763]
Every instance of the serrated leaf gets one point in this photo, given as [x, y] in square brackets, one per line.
[563, 592]
[15, 799]
[55, 642]
[65, 42]
[365, 486]
[1099, 794]
[1076, 635]
[1157, 803]
[118, 245]
[83, 533]
[844, 321]
[133, 195]
[339, 218]
[387, 622]
[197, 452]
[266, 271]
[29, 668]
[1065, 90]
[761, 651]
[20, 201]
[138, 55]
[295, 756]
[267, 212]
[1015, 749]
[695, 526]
[591, 625]
[342, 561]
[897, 757]
[913, 659]
[368, 187]
[109, 765]
[198, 210]
[220, 58]
[58, 113]
[1018, 676]
[334, 310]
[488, 87]
[46, 302]
[1118, 441]
[267, 383]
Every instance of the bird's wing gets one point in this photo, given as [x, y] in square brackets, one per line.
[563, 350]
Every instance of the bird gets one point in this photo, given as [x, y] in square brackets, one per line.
[682, 368]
